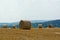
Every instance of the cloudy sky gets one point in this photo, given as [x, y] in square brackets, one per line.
[15, 10]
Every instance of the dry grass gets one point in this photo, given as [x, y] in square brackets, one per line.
[33, 34]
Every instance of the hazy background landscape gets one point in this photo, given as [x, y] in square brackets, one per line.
[34, 23]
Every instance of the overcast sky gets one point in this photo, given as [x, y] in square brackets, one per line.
[15, 10]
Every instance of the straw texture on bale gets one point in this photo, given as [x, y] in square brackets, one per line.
[23, 24]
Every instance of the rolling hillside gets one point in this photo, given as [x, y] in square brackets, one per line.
[55, 23]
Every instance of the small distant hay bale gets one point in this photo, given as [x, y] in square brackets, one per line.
[13, 26]
[23, 24]
[4, 26]
[50, 26]
[40, 25]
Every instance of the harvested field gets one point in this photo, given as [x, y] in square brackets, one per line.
[33, 34]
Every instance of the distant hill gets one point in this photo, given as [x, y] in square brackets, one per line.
[38, 21]
[45, 23]
[55, 23]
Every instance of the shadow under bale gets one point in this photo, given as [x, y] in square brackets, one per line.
[25, 25]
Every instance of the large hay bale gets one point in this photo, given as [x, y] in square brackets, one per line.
[4, 26]
[50, 26]
[40, 25]
[23, 24]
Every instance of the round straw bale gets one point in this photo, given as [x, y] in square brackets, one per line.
[4, 26]
[13, 26]
[24, 24]
[40, 25]
[50, 26]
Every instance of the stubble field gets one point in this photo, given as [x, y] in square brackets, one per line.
[33, 34]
